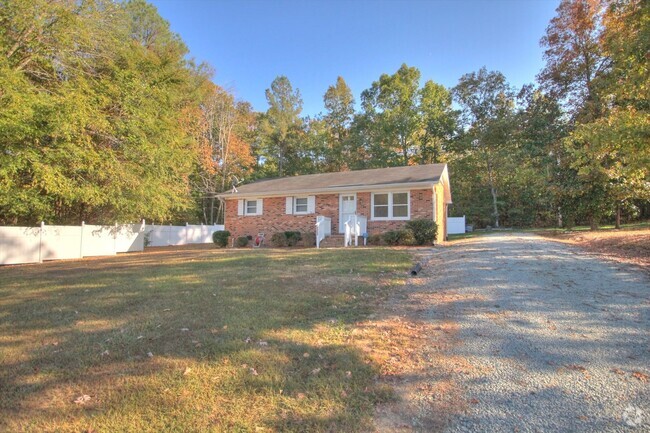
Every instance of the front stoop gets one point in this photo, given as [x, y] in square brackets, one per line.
[336, 241]
[333, 241]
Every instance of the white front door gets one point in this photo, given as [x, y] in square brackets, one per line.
[347, 208]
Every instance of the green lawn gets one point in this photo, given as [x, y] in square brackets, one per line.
[202, 340]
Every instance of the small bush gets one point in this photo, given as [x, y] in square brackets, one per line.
[309, 239]
[242, 242]
[279, 240]
[220, 238]
[391, 237]
[407, 238]
[374, 239]
[292, 238]
[398, 237]
[424, 231]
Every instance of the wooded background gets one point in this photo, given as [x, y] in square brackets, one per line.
[104, 117]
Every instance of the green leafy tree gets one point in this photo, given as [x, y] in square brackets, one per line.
[488, 105]
[283, 126]
[392, 103]
[91, 111]
[339, 103]
[439, 122]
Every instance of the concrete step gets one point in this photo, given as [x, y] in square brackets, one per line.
[332, 241]
[336, 241]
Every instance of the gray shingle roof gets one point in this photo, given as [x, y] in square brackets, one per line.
[345, 180]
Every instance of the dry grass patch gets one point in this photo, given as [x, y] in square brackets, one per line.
[630, 246]
[195, 340]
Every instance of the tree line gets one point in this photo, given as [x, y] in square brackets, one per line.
[104, 118]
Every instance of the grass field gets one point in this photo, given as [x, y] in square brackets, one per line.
[194, 340]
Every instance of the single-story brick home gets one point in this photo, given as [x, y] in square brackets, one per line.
[351, 203]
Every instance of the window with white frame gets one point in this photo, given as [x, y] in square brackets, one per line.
[390, 206]
[301, 205]
[250, 207]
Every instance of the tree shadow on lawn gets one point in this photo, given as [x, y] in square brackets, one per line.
[208, 341]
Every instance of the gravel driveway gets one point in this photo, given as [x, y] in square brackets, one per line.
[558, 341]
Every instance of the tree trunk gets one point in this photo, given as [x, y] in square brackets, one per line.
[493, 191]
[593, 223]
[618, 215]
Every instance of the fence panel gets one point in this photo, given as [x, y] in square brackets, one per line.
[35, 244]
[61, 242]
[162, 236]
[19, 245]
[98, 240]
[456, 225]
[129, 238]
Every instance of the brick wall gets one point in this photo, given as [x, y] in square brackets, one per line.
[275, 219]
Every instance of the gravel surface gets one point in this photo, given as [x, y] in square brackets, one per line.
[558, 341]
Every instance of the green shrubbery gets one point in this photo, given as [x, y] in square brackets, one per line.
[220, 238]
[416, 232]
[292, 238]
[242, 241]
[309, 239]
[424, 231]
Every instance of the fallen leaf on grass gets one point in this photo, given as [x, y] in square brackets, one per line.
[253, 371]
[105, 353]
[187, 371]
[315, 371]
[82, 399]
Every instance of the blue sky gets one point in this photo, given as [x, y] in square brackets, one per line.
[249, 43]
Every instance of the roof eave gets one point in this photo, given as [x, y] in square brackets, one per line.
[331, 190]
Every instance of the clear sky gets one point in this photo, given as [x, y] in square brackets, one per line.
[250, 42]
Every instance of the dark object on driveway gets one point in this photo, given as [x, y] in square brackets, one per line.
[417, 268]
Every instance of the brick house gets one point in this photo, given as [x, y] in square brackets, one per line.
[343, 205]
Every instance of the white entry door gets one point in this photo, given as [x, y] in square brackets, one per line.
[347, 208]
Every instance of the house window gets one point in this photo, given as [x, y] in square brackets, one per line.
[380, 207]
[390, 206]
[301, 205]
[251, 207]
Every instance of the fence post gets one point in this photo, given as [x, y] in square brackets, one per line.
[81, 240]
[115, 239]
[40, 242]
[169, 235]
[187, 233]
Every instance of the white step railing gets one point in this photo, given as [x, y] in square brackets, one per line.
[356, 225]
[323, 229]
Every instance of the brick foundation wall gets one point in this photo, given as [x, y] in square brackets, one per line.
[275, 219]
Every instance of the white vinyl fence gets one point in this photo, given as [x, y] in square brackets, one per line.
[455, 225]
[36, 244]
[162, 236]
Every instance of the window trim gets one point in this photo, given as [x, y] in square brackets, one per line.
[390, 216]
[295, 205]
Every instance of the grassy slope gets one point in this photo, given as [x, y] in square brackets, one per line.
[241, 341]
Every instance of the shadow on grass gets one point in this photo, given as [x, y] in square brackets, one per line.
[199, 340]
